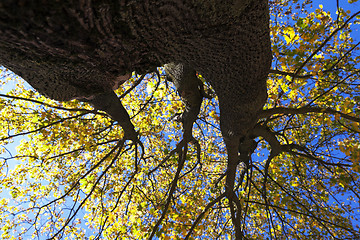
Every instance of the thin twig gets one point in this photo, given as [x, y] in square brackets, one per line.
[305, 110]
[201, 215]
[182, 157]
[121, 144]
[47, 105]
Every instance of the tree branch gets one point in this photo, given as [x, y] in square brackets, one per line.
[323, 43]
[48, 105]
[278, 72]
[305, 110]
[201, 215]
[182, 157]
[121, 144]
[136, 83]
[43, 127]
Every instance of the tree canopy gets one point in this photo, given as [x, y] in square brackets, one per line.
[74, 176]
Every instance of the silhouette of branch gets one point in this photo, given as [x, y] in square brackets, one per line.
[117, 203]
[201, 215]
[278, 72]
[324, 43]
[136, 83]
[306, 110]
[121, 144]
[48, 105]
[43, 127]
[181, 162]
[118, 146]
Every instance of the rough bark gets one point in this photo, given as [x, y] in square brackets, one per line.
[110, 103]
[190, 89]
[75, 49]
[84, 49]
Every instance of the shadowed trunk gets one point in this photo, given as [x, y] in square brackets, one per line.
[77, 49]
[191, 91]
[85, 49]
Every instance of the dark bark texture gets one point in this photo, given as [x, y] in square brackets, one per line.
[191, 91]
[84, 49]
[77, 49]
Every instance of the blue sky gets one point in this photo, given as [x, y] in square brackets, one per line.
[330, 6]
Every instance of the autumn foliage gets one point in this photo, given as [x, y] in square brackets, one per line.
[74, 176]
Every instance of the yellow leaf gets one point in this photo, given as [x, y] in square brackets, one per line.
[289, 35]
[355, 125]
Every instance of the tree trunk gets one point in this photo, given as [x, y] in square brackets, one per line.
[77, 49]
[84, 49]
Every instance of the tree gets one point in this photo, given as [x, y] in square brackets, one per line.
[296, 173]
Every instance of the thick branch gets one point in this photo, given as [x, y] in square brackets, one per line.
[190, 89]
[110, 103]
